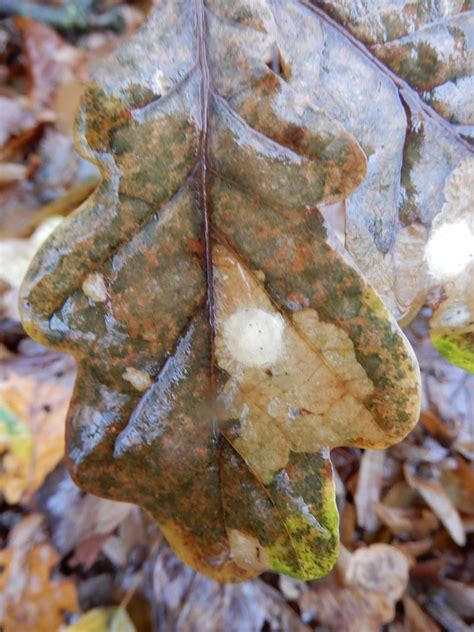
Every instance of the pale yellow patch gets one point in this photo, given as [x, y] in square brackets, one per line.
[247, 552]
[138, 379]
[337, 349]
[93, 287]
[305, 390]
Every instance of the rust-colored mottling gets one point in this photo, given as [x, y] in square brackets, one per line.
[223, 345]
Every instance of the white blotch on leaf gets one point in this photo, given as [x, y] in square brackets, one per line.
[138, 379]
[450, 249]
[94, 287]
[254, 337]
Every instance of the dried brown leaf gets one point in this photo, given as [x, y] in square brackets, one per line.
[16, 118]
[460, 596]
[449, 391]
[15, 257]
[30, 593]
[438, 429]
[103, 620]
[187, 601]
[416, 619]
[348, 523]
[379, 568]
[43, 49]
[344, 609]
[83, 521]
[34, 397]
[436, 498]
[457, 478]
[435, 604]
[415, 548]
[407, 522]
[369, 486]
[375, 578]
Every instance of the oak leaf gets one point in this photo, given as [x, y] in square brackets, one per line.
[225, 342]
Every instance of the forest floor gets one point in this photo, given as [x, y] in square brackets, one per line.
[69, 560]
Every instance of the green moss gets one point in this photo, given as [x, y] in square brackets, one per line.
[457, 349]
[317, 552]
[420, 66]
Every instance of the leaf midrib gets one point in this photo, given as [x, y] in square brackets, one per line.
[204, 171]
[203, 176]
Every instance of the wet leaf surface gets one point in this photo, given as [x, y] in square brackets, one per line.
[109, 550]
[224, 340]
[452, 328]
[426, 44]
[399, 217]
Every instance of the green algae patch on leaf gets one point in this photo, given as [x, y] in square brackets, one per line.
[224, 344]
[457, 348]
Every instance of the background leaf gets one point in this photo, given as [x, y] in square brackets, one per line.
[418, 161]
[29, 591]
